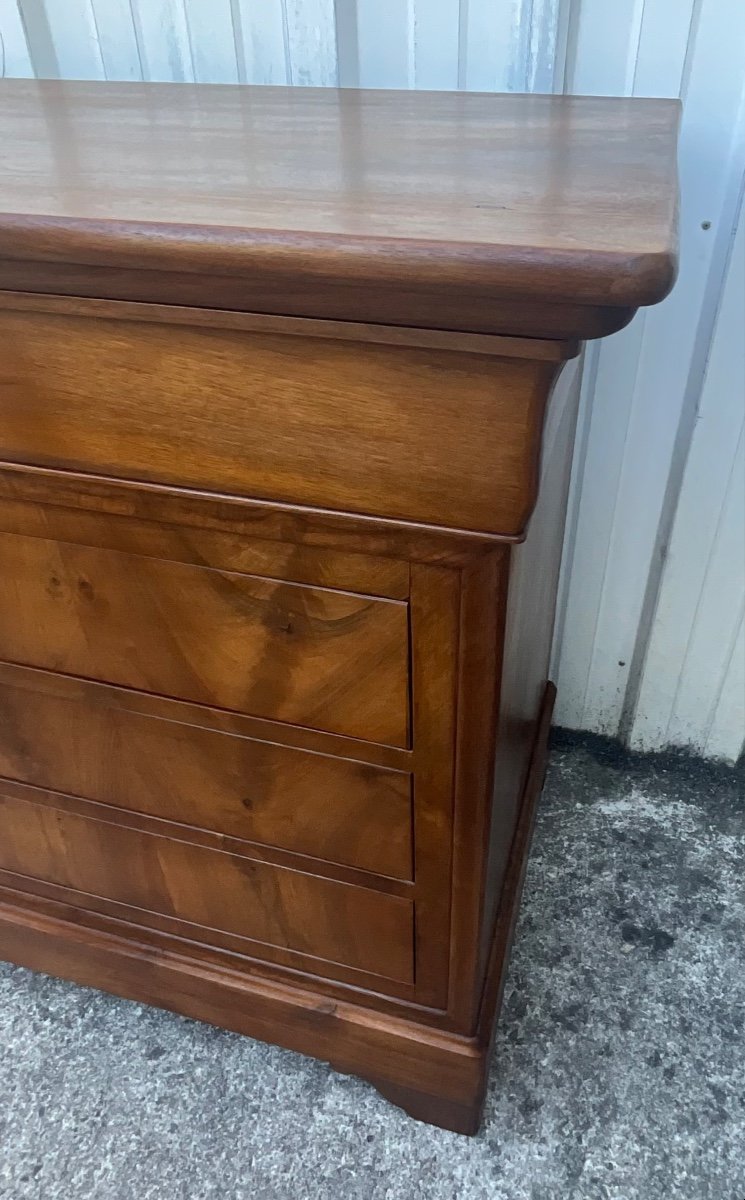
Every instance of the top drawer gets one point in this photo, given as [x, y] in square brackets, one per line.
[428, 435]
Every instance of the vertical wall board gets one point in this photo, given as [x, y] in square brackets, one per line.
[672, 359]
[482, 45]
[726, 738]
[519, 55]
[603, 46]
[491, 44]
[699, 608]
[647, 375]
[534, 34]
[15, 58]
[163, 40]
[212, 41]
[63, 39]
[261, 34]
[347, 44]
[594, 507]
[546, 45]
[436, 40]
[117, 39]
[714, 629]
[311, 39]
[666, 33]
[384, 29]
[520, 44]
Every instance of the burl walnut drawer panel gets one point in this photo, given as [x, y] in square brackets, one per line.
[386, 430]
[212, 889]
[82, 743]
[315, 657]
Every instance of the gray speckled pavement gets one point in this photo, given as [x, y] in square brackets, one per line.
[619, 1068]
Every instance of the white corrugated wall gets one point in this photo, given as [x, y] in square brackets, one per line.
[477, 44]
[630, 661]
[650, 643]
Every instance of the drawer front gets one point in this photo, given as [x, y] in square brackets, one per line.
[323, 659]
[429, 435]
[83, 744]
[209, 890]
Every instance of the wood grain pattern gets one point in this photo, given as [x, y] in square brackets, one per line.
[342, 204]
[527, 633]
[275, 382]
[320, 658]
[349, 1033]
[220, 719]
[387, 431]
[160, 930]
[435, 1075]
[372, 574]
[306, 527]
[535, 349]
[483, 597]
[209, 889]
[434, 622]
[210, 839]
[331, 808]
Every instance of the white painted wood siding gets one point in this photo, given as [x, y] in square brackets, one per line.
[642, 389]
[693, 678]
[490, 45]
[650, 643]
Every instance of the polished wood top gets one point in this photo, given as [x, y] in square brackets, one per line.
[550, 197]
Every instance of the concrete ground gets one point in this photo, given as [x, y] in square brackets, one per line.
[619, 1067]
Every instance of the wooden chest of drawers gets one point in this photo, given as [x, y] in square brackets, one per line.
[282, 492]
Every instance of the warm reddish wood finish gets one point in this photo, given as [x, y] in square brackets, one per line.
[217, 891]
[327, 807]
[497, 346]
[434, 210]
[274, 700]
[386, 431]
[306, 528]
[374, 575]
[260, 646]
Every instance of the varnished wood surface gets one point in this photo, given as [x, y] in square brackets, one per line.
[325, 659]
[276, 364]
[436, 1076]
[372, 574]
[434, 665]
[306, 527]
[333, 809]
[347, 1032]
[220, 719]
[483, 597]
[389, 431]
[526, 637]
[213, 890]
[402, 207]
[536, 349]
